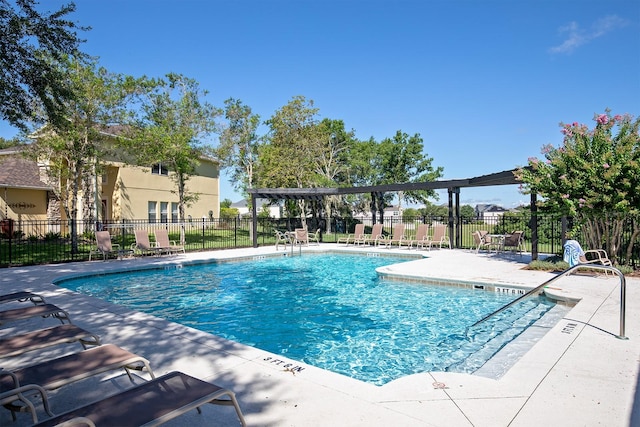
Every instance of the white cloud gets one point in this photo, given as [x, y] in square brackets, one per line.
[576, 36]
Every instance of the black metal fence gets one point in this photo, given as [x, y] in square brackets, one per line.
[42, 242]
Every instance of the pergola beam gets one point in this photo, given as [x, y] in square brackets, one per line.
[453, 187]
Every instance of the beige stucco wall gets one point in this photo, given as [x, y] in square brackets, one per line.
[129, 190]
[24, 204]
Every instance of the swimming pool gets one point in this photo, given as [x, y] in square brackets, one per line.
[327, 310]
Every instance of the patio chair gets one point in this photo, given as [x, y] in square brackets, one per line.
[439, 237]
[23, 296]
[301, 237]
[422, 233]
[315, 237]
[377, 235]
[358, 234]
[162, 241]
[574, 255]
[43, 338]
[151, 403]
[143, 245]
[41, 310]
[397, 237]
[482, 240]
[104, 246]
[56, 373]
[281, 238]
[514, 242]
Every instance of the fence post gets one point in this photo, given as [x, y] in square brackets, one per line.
[534, 227]
[203, 236]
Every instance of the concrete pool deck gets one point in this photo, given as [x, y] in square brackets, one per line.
[578, 374]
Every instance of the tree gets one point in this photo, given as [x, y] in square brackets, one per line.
[593, 177]
[433, 210]
[402, 160]
[288, 160]
[330, 159]
[31, 46]
[169, 128]
[467, 212]
[361, 170]
[74, 149]
[239, 142]
[8, 143]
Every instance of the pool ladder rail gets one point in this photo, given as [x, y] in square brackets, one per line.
[536, 290]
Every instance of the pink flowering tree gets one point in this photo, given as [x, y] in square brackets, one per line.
[593, 177]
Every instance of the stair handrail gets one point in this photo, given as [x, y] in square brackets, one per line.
[623, 293]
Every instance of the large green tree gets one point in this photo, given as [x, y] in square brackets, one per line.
[73, 150]
[289, 157]
[31, 45]
[239, 142]
[331, 160]
[401, 159]
[170, 128]
[593, 177]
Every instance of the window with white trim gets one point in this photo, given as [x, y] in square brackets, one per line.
[164, 214]
[152, 211]
[174, 212]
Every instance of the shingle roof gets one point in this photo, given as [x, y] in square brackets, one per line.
[18, 172]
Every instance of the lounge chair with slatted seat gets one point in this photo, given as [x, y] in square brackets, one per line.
[56, 373]
[376, 237]
[397, 237]
[143, 245]
[41, 310]
[439, 237]
[357, 235]
[23, 296]
[163, 242]
[574, 255]
[43, 338]
[422, 234]
[105, 248]
[151, 403]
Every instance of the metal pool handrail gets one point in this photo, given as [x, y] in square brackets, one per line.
[623, 285]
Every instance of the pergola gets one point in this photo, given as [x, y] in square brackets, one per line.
[453, 187]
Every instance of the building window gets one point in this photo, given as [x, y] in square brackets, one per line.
[152, 211]
[105, 178]
[174, 212]
[164, 216]
[159, 169]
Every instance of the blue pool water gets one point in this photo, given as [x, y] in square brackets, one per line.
[327, 310]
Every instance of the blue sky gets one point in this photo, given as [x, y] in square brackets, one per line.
[484, 82]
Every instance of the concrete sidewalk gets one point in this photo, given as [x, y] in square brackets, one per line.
[577, 374]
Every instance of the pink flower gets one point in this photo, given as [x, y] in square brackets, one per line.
[565, 196]
[606, 166]
[533, 160]
[547, 148]
[603, 119]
